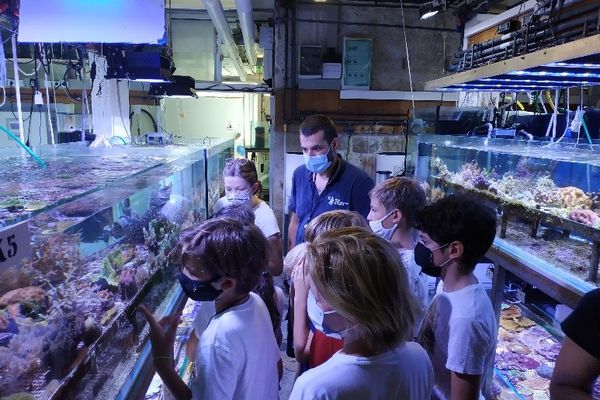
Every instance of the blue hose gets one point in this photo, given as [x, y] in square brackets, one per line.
[119, 137]
[585, 128]
[31, 153]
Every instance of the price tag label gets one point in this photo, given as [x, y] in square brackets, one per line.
[15, 244]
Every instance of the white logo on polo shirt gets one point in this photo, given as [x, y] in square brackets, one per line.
[334, 201]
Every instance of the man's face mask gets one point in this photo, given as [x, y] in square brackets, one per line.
[318, 164]
[199, 290]
[424, 258]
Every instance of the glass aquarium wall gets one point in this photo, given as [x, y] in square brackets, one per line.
[101, 224]
[547, 198]
[548, 194]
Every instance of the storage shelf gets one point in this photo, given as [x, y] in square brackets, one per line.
[533, 71]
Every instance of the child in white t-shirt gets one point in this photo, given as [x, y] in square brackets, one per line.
[394, 203]
[459, 331]
[242, 187]
[358, 282]
[237, 353]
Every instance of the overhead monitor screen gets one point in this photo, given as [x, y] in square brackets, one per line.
[96, 21]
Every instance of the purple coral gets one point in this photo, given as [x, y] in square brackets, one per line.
[60, 347]
[127, 286]
[481, 182]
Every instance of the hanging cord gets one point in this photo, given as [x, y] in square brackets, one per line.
[46, 72]
[412, 96]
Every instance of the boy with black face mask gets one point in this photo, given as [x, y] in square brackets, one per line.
[237, 354]
[459, 331]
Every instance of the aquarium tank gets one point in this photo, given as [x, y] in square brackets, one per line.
[547, 199]
[98, 227]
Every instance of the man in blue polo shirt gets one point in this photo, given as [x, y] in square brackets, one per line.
[325, 182]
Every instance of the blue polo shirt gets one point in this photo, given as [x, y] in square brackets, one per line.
[347, 189]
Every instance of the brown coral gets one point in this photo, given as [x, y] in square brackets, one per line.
[573, 197]
[32, 294]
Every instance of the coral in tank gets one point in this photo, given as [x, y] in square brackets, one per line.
[127, 284]
[587, 217]
[60, 345]
[56, 259]
[20, 360]
[545, 192]
[573, 197]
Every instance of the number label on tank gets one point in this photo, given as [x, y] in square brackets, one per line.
[15, 244]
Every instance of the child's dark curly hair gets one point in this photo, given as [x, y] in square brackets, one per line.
[460, 218]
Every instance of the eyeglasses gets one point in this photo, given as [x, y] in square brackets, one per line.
[239, 161]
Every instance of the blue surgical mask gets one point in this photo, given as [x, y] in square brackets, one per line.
[199, 290]
[318, 164]
[381, 231]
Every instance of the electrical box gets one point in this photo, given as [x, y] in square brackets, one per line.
[508, 26]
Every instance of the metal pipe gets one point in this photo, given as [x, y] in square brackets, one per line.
[13, 41]
[217, 15]
[374, 4]
[244, 10]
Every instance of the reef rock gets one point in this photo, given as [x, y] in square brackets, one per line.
[30, 294]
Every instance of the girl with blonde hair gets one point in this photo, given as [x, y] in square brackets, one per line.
[360, 284]
[312, 345]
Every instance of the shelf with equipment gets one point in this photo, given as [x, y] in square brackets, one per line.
[572, 64]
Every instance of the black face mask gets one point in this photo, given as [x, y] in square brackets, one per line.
[199, 290]
[424, 258]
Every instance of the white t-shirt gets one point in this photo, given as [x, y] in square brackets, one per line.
[264, 217]
[403, 373]
[459, 333]
[237, 355]
[417, 283]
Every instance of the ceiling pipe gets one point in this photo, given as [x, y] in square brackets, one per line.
[217, 15]
[245, 15]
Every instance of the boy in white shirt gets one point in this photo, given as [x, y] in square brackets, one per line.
[237, 354]
[394, 203]
[459, 331]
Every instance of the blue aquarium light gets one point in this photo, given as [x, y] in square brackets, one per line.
[556, 74]
[517, 80]
[573, 65]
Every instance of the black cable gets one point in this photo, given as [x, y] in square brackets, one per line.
[27, 143]
[154, 124]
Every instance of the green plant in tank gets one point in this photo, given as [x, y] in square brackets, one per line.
[109, 273]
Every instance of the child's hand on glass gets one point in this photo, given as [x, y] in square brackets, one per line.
[162, 334]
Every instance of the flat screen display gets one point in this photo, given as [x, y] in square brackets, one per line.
[95, 21]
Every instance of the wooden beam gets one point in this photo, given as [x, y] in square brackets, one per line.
[328, 102]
